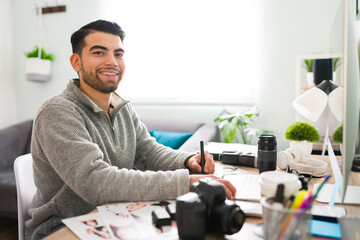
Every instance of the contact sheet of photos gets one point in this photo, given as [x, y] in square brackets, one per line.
[131, 220]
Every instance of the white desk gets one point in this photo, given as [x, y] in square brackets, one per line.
[246, 231]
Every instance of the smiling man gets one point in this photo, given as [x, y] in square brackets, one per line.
[87, 141]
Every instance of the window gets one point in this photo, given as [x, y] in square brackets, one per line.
[188, 51]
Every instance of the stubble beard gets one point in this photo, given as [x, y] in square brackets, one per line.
[94, 81]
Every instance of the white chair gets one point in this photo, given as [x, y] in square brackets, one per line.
[25, 187]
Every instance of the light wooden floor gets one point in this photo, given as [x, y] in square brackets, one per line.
[8, 229]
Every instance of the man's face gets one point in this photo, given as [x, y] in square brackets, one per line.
[101, 65]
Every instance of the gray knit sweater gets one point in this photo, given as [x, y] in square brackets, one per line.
[82, 158]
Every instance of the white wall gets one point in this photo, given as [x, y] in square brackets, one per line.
[58, 28]
[289, 28]
[7, 84]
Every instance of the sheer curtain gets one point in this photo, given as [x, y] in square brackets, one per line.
[188, 51]
[7, 73]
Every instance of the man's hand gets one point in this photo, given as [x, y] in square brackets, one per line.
[194, 166]
[229, 188]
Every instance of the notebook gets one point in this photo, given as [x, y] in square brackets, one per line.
[247, 186]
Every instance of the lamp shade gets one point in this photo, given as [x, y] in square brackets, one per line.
[335, 103]
[311, 104]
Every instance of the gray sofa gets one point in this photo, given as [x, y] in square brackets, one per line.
[202, 132]
[15, 141]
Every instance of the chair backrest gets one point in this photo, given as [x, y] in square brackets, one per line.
[25, 187]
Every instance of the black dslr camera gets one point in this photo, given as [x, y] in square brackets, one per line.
[203, 210]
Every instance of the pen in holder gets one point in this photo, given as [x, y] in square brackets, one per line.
[285, 223]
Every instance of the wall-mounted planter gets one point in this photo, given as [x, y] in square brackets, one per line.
[37, 69]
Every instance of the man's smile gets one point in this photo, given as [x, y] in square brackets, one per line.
[109, 72]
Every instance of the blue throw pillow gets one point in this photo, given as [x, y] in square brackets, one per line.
[170, 139]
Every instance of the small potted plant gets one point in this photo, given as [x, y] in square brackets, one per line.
[336, 65]
[308, 65]
[338, 136]
[230, 123]
[302, 135]
[38, 64]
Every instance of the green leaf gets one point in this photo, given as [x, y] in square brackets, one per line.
[236, 124]
[301, 131]
[308, 65]
[338, 134]
[229, 132]
[35, 53]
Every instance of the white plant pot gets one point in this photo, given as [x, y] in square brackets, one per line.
[37, 69]
[334, 77]
[310, 78]
[304, 147]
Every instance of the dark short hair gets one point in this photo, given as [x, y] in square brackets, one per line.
[77, 38]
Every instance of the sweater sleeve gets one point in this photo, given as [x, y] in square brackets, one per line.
[63, 148]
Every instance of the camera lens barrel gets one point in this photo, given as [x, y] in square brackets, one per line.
[226, 219]
[267, 152]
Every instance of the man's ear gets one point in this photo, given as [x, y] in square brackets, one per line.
[75, 62]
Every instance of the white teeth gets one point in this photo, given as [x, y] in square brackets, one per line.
[110, 74]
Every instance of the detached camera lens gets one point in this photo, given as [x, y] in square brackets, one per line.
[267, 153]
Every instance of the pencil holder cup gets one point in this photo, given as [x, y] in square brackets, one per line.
[284, 223]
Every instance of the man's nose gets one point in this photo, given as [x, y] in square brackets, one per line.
[111, 61]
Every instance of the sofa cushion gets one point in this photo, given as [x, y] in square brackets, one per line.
[173, 140]
[8, 202]
[206, 133]
[15, 141]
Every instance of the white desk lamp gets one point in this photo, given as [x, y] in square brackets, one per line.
[312, 104]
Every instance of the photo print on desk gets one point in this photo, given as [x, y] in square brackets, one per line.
[89, 227]
[133, 220]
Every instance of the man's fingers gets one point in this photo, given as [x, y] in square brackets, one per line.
[195, 167]
[228, 194]
[230, 187]
[230, 190]
[209, 163]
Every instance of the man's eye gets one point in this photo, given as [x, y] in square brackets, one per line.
[98, 53]
[119, 54]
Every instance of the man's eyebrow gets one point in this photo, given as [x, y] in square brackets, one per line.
[104, 48]
[119, 50]
[98, 46]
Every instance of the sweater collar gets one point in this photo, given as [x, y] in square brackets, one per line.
[116, 101]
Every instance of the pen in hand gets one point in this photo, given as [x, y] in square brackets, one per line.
[202, 155]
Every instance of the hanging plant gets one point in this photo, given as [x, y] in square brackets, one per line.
[38, 65]
[35, 54]
[38, 62]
